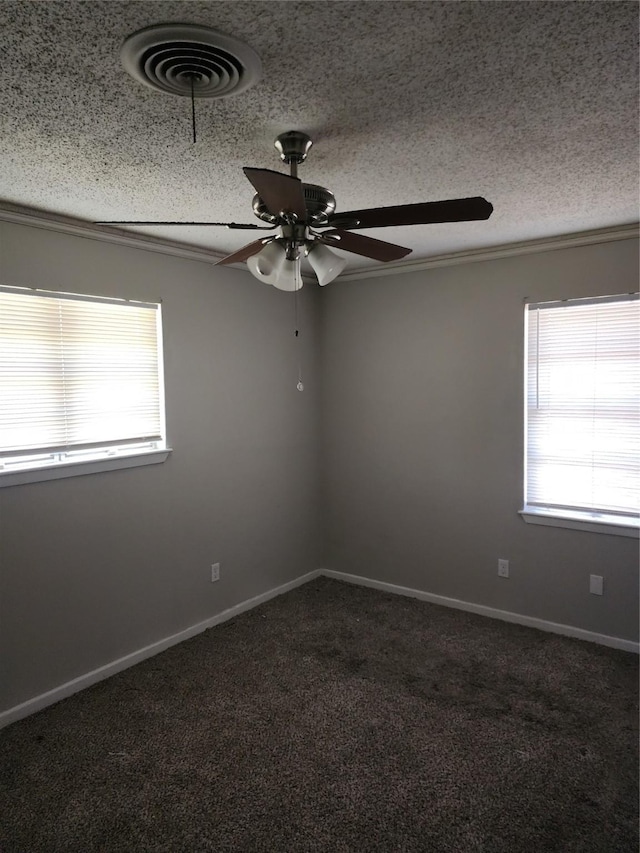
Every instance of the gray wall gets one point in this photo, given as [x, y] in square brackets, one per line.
[422, 439]
[418, 429]
[95, 567]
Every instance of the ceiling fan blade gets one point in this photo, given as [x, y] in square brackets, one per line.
[281, 193]
[156, 222]
[244, 253]
[429, 212]
[361, 245]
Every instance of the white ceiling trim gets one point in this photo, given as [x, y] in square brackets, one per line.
[137, 241]
[506, 250]
[21, 216]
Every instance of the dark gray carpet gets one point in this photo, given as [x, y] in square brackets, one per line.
[337, 718]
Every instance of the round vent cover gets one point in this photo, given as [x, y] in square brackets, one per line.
[175, 57]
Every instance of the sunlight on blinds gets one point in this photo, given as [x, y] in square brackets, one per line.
[77, 372]
[583, 405]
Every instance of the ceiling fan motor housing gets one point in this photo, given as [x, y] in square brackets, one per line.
[319, 202]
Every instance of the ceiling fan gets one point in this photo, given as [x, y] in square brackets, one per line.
[307, 222]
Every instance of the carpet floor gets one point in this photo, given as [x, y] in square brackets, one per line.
[337, 718]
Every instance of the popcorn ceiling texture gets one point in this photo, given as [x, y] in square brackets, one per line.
[530, 104]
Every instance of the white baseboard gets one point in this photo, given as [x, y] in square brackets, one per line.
[42, 701]
[38, 703]
[491, 612]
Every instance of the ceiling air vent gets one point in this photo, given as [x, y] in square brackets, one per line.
[185, 58]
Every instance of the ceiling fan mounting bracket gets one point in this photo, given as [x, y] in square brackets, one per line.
[293, 146]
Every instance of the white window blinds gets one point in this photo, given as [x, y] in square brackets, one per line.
[583, 405]
[77, 372]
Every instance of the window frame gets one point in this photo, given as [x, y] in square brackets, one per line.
[58, 463]
[612, 523]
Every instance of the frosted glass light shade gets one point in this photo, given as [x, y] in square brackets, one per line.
[268, 263]
[326, 264]
[289, 277]
[271, 266]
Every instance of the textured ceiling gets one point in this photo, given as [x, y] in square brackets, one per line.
[532, 105]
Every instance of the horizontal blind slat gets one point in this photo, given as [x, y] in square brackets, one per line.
[76, 372]
[583, 405]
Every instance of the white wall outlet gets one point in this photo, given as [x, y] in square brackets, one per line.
[596, 584]
[215, 572]
[503, 568]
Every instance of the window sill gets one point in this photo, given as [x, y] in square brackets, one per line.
[78, 468]
[613, 525]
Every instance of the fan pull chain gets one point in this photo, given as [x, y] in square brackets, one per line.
[300, 385]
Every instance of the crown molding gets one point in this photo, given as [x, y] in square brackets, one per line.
[505, 250]
[78, 228]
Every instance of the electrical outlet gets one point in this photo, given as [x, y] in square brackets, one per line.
[503, 568]
[596, 584]
[215, 572]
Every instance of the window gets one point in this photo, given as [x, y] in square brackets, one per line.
[81, 384]
[582, 414]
